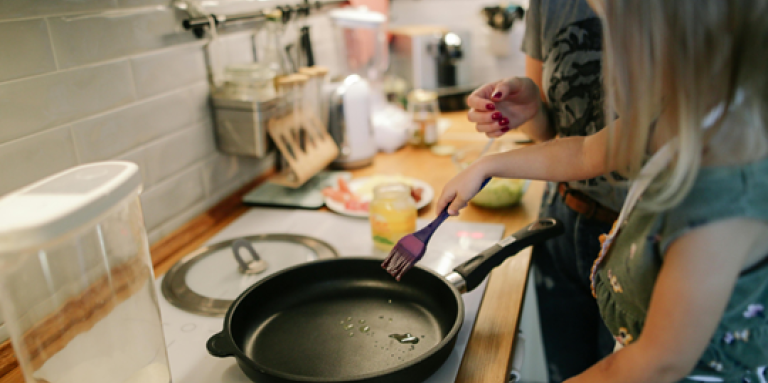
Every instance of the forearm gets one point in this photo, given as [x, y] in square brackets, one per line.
[539, 127]
[559, 160]
[630, 365]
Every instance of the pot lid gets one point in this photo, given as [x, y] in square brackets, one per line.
[208, 280]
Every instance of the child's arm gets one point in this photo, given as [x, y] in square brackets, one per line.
[693, 288]
[563, 159]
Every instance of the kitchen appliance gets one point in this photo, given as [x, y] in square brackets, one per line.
[361, 42]
[344, 320]
[500, 19]
[350, 122]
[434, 58]
[76, 283]
[187, 333]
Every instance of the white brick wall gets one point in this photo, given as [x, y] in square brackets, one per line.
[97, 80]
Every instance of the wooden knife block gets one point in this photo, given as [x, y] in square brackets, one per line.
[306, 146]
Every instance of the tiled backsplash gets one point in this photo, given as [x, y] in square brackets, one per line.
[95, 80]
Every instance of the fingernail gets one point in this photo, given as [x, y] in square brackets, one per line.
[496, 116]
[505, 129]
[504, 121]
[490, 107]
[497, 95]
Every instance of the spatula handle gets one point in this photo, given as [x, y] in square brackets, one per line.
[426, 233]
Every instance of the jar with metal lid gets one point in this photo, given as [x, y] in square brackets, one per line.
[424, 112]
[252, 82]
[392, 214]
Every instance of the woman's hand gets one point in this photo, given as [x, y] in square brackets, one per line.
[499, 106]
[461, 188]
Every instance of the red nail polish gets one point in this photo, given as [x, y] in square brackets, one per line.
[496, 116]
[490, 107]
[504, 121]
[505, 129]
[497, 95]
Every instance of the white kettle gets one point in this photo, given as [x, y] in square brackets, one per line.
[349, 122]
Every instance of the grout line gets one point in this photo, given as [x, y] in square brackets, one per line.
[117, 109]
[53, 48]
[134, 86]
[104, 62]
[103, 12]
[88, 66]
[74, 144]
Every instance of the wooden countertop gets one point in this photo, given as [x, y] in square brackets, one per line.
[488, 354]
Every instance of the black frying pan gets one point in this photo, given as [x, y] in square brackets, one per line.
[347, 320]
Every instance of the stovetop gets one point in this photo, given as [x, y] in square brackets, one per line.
[186, 334]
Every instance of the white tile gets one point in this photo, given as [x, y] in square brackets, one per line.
[178, 221]
[221, 172]
[26, 49]
[167, 156]
[31, 105]
[172, 197]
[112, 134]
[170, 69]
[80, 41]
[12, 9]
[33, 158]
[137, 157]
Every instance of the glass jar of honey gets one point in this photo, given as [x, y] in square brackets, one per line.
[424, 112]
[392, 215]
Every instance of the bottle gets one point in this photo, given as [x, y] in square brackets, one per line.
[392, 215]
[424, 112]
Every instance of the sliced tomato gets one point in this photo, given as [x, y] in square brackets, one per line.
[343, 185]
[356, 205]
[336, 195]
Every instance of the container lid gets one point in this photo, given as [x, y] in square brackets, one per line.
[249, 72]
[422, 96]
[63, 203]
[208, 280]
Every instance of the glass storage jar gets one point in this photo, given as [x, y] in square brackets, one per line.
[392, 214]
[424, 112]
[251, 82]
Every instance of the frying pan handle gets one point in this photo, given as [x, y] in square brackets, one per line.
[220, 346]
[476, 269]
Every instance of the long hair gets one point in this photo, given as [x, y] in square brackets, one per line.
[667, 65]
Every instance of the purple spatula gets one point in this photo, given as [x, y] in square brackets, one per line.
[411, 248]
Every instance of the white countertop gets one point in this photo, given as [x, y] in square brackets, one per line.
[186, 334]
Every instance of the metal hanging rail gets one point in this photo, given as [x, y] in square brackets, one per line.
[198, 24]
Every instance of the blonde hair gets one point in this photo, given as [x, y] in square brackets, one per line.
[667, 64]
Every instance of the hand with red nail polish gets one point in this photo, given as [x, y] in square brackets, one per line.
[507, 103]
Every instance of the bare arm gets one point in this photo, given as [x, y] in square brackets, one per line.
[539, 127]
[693, 288]
[561, 159]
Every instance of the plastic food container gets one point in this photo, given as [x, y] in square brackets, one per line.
[77, 287]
